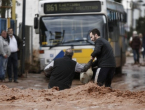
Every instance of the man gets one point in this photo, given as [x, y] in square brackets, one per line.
[105, 59]
[143, 45]
[4, 54]
[135, 45]
[62, 70]
[14, 43]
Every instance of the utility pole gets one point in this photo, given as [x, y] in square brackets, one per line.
[23, 37]
[132, 14]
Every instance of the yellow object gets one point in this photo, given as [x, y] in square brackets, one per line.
[13, 9]
[44, 43]
[82, 55]
[8, 23]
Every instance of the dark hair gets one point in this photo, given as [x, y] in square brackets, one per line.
[95, 31]
[3, 31]
[10, 28]
[69, 52]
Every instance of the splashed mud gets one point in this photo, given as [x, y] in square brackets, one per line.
[84, 97]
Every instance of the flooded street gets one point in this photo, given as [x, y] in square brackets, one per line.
[31, 93]
[132, 78]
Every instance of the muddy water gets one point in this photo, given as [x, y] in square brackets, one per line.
[132, 78]
[84, 97]
[31, 93]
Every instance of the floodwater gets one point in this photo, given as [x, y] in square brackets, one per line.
[31, 93]
[132, 77]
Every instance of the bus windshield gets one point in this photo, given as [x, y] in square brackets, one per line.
[70, 30]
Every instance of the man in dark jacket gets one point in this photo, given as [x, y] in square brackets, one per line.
[136, 45]
[14, 44]
[105, 59]
[62, 70]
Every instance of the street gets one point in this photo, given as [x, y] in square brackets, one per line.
[132, 78]
[31, 93]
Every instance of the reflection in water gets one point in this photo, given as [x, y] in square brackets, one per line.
[132, 78]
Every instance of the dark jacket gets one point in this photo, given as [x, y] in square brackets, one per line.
[62, 73]
[19, 43]
[136, 43]
[104, 53]
[143, 41]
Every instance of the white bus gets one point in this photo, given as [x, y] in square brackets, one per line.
[63, 24]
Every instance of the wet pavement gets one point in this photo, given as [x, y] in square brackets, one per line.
[132, 78]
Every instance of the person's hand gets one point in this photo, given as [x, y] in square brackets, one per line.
[92, 58]
[5, 56]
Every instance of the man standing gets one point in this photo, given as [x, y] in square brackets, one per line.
[4, 54]
[62, 70]
[14, 43]
[135, 45]
[105, 59]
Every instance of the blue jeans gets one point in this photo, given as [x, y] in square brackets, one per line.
[136, 55]
[12, 62]
[3, 67]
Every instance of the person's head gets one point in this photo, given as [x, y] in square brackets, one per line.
[69, 53]
[4, 34]
[94, 34]
[140, 35]
[10, 31]
[135, 33]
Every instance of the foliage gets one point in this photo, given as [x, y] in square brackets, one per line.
[118, 1]
[3, 10]
[140, 25]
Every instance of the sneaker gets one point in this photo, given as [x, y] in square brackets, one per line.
[16, 81]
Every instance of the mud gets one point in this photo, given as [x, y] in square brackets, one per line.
[84, 97]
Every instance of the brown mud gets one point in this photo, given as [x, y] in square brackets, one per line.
[83, 97]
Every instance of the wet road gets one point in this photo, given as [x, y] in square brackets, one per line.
[132, 78]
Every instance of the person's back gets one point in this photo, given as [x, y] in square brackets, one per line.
[136, 43]
[62, 73]
[105, 57]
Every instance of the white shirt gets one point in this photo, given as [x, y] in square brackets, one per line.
[13, 44]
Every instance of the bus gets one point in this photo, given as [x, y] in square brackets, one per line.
[63, 24]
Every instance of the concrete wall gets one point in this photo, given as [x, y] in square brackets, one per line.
[31, 10]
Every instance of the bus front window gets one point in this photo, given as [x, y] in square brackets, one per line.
[67, 30]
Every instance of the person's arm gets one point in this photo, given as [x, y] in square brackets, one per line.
[48, 68]
[97, 49]
[2, 49]
[81, 68]
[19, 42]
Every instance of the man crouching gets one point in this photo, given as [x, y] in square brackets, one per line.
[62, 70]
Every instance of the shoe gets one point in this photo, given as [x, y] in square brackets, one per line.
[16, 81]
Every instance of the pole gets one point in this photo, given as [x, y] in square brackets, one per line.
[23, 37]
[13, 9]
[127, 16]
[131, 14]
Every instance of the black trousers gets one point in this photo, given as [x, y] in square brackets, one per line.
[105, 76]
[12, 62]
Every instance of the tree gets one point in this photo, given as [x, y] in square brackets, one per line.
[3, 10]
[140, 25]
[118, 1]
